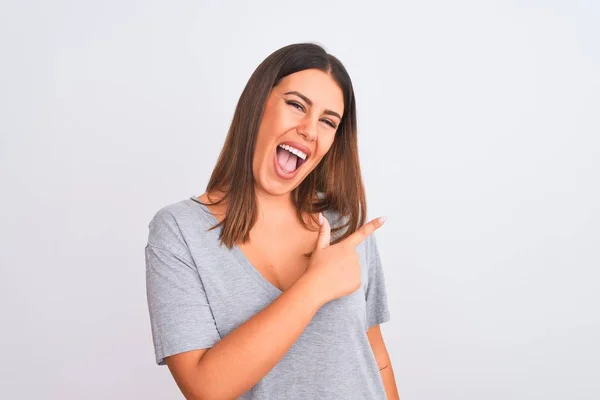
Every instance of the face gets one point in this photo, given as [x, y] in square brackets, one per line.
[302, 113]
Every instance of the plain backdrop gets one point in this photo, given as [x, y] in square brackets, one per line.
[479, 140]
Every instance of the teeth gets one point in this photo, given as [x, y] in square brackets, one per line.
[294, 151]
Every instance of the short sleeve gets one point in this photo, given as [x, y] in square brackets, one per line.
[376, 293]
[180, 315]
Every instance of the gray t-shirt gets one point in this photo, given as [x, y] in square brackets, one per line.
[199, 291]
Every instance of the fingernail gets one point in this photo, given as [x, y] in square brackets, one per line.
[382, 219]
[320, 219]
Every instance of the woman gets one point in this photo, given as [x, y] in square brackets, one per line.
[269, 285]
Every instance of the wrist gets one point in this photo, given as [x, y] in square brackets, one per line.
[311, 289]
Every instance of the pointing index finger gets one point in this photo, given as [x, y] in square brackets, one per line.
[364, 231]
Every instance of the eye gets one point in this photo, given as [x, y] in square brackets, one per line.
[328, 122]
[295, 105]
[300, 107]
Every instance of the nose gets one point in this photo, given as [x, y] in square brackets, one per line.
[308, 129]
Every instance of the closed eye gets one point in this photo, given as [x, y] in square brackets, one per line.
[328, 122]
[300, 107]
[295, 105]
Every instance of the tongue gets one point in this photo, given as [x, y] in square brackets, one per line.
[287, 161]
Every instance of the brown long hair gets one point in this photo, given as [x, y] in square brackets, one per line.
[336, 179]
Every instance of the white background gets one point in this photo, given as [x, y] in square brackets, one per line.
[479, 140]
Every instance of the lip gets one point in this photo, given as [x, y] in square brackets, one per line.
[298, 146]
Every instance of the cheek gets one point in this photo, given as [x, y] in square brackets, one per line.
[265, 138]
[323, 149]
[272, 126]
[326, 143]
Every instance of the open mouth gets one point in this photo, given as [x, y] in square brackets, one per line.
[290, 158]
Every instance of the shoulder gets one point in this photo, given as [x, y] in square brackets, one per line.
[171, 223]
[168, 216]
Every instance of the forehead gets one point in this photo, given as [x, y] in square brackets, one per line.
[318, 86]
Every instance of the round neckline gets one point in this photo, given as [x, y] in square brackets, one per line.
[241, 258]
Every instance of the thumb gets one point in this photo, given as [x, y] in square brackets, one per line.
[324, 233]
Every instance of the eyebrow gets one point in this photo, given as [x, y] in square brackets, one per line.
[310, 103]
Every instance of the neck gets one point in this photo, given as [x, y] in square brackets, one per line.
[274, 208]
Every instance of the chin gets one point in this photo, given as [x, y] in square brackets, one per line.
[276, 187]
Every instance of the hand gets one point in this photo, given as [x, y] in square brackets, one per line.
[335, 269]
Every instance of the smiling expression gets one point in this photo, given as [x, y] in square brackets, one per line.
[304, 110]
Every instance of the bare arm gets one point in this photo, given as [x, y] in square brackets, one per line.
[389, 381]
[383, 361]
[239, 360]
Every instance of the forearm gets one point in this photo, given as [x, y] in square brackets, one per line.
[243, 357]
[389, 381]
